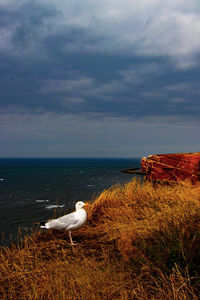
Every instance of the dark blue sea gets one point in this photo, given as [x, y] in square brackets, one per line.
[32, 189]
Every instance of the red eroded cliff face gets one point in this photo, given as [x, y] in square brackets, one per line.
[172, 167]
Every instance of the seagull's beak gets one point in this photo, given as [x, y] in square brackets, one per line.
[87, 204]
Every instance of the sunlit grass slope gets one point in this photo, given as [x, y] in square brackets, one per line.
[141, 241]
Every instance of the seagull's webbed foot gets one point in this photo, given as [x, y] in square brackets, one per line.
[71, 241]
[74, 243]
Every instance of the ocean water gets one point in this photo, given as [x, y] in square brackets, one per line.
[33, 190]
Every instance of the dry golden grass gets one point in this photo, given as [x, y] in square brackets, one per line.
[141, 241]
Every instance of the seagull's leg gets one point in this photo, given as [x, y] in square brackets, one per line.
[70, 237]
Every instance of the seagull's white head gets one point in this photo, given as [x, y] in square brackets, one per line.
[80, 205]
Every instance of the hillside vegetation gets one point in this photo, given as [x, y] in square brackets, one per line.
[141, 241]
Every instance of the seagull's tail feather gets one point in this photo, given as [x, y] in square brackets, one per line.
[43, 225]
[52, 224]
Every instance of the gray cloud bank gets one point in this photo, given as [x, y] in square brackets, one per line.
[79, 75]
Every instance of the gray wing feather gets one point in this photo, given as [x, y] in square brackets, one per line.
[65, 222]
[68, 220]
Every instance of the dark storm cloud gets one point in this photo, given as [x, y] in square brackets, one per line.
[65, 69]
[123, 91]
[94, 61]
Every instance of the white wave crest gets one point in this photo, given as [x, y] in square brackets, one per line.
[54, 206]
[41, 200]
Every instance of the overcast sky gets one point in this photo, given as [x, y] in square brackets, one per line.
[102, 78]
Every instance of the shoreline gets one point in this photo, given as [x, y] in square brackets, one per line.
[140, 241]
[61, 182]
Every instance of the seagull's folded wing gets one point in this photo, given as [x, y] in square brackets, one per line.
[66, 222]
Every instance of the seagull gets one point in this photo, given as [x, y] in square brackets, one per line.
[70, 221]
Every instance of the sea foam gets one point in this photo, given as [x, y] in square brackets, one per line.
[41, 200]
[54, 206]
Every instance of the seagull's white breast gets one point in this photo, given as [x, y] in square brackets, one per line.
[81, 217]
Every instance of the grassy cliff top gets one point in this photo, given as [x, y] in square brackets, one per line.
[141, 241]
